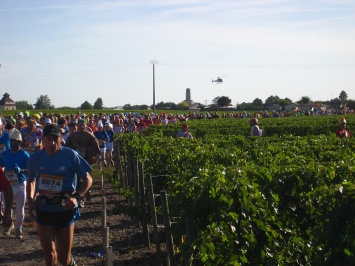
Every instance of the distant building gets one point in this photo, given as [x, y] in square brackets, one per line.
[306, 106]
[6, 103]
[274, 107]
[188, 97]
[292, 106]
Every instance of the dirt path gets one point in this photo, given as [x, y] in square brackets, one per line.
[125, 238]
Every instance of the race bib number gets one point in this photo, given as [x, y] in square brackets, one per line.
[50, 184]
[12, 177]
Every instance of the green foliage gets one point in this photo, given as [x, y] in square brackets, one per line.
[166, 106]
[258, 102]
[86, 106]
[43, 102]
[98, 104]
[283, 199]
[272, 100]
[223, 101]
[304, 99]
[343, 96]
[183, 106]
[23, 105]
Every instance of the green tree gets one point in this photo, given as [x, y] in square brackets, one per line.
[350, 104]
[223, 101]
[43, 103]
[305, 99]
[127, 107]
[288, 100]
[343, 96]
[272, 100]
[258, 102]
[24, 105]
[86, 106]
[245, 105]
[283, 102]
[163, 105]
[215, 100]
[98, 104]
[160, 105]
[183, 106]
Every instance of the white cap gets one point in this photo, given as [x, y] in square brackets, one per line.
[15, 134]
[48, 121]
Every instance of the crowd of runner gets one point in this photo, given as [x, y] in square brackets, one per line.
[46, 159]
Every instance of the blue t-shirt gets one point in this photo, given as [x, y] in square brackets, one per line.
[10, 160]
[4, 142]
[56, 174]
[101, 137]
[110, 135]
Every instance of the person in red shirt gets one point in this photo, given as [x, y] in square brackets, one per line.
[341, 131]
[5, 187]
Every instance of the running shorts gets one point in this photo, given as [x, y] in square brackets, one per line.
[109, 146]
[57, 219]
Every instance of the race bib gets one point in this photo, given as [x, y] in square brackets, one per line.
[12, 177]
[50, 184]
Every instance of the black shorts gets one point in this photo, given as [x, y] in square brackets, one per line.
[57, 219]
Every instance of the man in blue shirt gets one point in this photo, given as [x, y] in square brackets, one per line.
[52, 175]
[15, 162]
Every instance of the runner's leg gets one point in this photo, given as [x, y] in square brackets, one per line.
[20, 204]
[46, 236]
[64, 243]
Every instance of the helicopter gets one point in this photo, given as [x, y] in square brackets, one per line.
[218, 80]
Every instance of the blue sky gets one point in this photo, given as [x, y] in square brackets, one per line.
[77, 51]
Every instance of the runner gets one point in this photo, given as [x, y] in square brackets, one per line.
[53, 172]
[15, 162]
[255, 130]
[109, 143]
[342, 132]
[72, 129]
[4, 139]
[184, 132]
[86, 144]
[102, 137]
[4, 145]
[19, 124]
[119, 126]
[6, 190]
[31, 136]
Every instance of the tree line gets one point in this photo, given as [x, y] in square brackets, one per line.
[43, 102]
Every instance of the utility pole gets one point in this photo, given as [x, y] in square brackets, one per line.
[153, 62]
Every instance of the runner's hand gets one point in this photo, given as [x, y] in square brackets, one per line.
[69, 203]
[31, 208]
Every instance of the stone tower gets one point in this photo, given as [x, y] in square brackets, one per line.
[188, 97]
